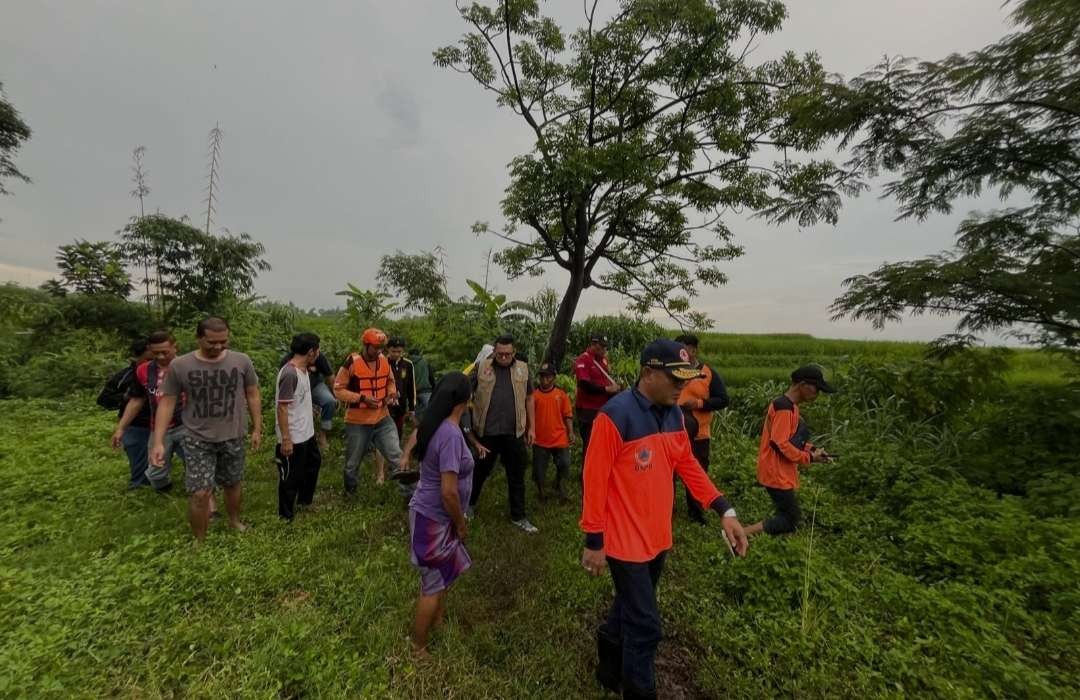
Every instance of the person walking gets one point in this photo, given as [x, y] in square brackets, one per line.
[365, 383]
[595, 386]
[322, 395]
[136, 432]
[144, 395]
[639, 442]
[503, 423]
[297, 453]
[698, 400]
[222, 391]
[437, 525]
[785, 447]
[554, 433]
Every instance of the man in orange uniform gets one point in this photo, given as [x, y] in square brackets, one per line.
[365, 384]
[638, 443]
[699, 398]
[554, 432]
[785, 447]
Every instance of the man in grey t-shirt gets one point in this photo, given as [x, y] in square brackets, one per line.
[222, 389]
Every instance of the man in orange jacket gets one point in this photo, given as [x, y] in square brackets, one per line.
[785, 446]
[639, 442]
[365, 383]
[698, 400]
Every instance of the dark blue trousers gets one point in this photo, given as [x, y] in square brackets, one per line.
[635, 619]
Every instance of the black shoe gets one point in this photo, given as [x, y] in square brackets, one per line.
[405, 476]
[164, 489]
[698, 518]
[609, 662]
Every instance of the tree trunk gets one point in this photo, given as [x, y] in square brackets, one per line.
[560, 331]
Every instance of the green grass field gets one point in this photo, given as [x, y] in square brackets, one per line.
[934, 589]
[746, 358]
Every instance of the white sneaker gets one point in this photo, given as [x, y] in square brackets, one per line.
[526, 526]
[468, 513]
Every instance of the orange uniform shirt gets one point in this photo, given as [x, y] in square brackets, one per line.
[708, 393]
[634, 451]
[550, 411]
[783, 446]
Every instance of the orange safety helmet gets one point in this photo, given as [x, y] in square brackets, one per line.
[373, 336]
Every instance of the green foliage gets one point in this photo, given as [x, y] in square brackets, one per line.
[194, 273]
[419, 280]
[365, 308]
[1004, 118]
[648, 124]
[624, 333]
[13, 133]
[93, 268]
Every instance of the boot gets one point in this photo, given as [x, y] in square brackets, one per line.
[609, 666]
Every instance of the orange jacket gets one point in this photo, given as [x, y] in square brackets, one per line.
[708, 394]
[783, 446]
[634, 451]
[357, 379]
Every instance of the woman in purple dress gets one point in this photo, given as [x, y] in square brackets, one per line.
[436, 513]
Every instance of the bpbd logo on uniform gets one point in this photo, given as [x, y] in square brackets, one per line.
[643, 459]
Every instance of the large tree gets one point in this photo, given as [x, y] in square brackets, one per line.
[1005, 118]
[193, 272]
[650, 124]
[13, 133]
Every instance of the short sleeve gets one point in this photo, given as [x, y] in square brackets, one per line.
[448, 450]
[567, 410]
[250, 378]
[171, 386]
[286, 388]
[137, 388]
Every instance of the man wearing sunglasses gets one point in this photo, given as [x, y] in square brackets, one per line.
[503, 420]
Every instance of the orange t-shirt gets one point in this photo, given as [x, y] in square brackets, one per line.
[551, 409]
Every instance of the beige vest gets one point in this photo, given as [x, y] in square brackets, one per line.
[485, 385]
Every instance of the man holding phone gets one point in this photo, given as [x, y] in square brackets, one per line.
[785, 447]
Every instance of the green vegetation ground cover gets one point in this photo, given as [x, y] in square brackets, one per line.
[924, 572]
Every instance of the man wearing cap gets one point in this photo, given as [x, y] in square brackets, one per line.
[785, 446]
[365, 383]
[698, 400]
[554, 433]
[638, 444]
[594, 385]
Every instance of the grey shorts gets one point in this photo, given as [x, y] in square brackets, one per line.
[209, 463]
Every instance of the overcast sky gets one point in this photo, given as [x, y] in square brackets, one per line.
[343, 143]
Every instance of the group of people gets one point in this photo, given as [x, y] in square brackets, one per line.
[636, 442]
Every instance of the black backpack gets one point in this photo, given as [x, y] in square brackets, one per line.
[113, 395]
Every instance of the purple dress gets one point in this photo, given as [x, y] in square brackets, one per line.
[436, 549]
